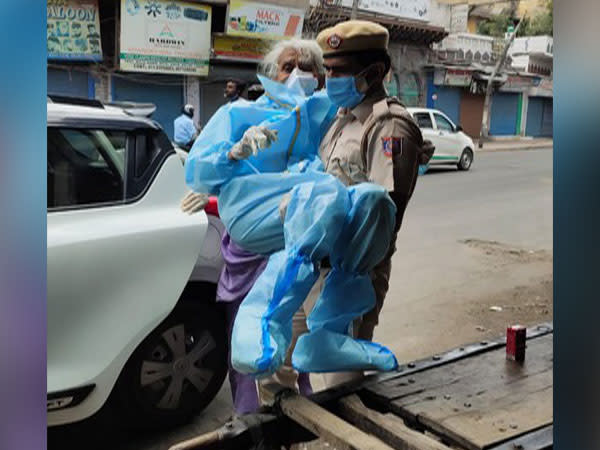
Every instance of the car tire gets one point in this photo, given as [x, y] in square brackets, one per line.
[175, 372]
[466, 159]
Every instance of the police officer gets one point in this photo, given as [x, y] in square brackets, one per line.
[373, 138]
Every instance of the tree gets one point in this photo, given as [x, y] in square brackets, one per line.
[496, 26]
[539, 25]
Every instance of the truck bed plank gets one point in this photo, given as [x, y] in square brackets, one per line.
[478, 401]
[387, 427]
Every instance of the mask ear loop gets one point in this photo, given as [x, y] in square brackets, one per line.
[360, 80]
[362, 85]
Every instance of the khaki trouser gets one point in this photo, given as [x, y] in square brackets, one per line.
[286, 375]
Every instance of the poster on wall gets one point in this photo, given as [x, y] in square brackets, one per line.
[165, 36]
[406, 9]
[264, 20]
[235, 48]
[459, 18]
[457, 77]
[73, 30]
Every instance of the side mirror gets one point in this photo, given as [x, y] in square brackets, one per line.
[458, 128]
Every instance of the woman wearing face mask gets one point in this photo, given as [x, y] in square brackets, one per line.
[297, 65]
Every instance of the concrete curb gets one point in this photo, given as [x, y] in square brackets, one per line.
[517, 147]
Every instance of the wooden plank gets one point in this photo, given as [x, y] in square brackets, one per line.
[316, 419]
[387, 427]
[475, 401]
[481, 428]
[542, 439]
[486, 368]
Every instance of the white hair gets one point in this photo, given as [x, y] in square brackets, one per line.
[309, 54]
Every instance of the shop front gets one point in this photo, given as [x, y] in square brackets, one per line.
[73, 42]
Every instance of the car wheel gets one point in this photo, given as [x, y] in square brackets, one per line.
[466, 159]
[176, 371]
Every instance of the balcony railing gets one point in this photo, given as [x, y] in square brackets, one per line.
[533, 45]
[467, 47]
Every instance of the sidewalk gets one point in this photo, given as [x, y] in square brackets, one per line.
[512, 143]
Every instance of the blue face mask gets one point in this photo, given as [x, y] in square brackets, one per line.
[342, 91]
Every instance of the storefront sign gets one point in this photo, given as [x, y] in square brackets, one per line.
[438, 76]
[165, 36]
[456, 77]
[406, 9]
[516, 83]
[73, 30]
[546, 83]
[459, 18]
[264, 20]
[240, 49]
[543, 89]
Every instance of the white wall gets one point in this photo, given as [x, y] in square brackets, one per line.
[440, 14]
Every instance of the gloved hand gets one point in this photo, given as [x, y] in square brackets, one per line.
[254, 139]
[426, 152]
[194, 202]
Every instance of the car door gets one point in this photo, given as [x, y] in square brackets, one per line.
[425, 123]
[446, 135]
[119, 251]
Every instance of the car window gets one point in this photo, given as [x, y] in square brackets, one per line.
[148, 146]
[423, 120]
[443, 123]
[85, 167]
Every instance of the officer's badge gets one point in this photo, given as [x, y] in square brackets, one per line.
[334, 41]
[391, 145]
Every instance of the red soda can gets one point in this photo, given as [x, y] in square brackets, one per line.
[516, 337]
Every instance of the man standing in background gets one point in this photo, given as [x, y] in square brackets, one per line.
[233, 90]
[185, 130]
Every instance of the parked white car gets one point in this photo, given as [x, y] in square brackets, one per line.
[132, 320]
[452, 145]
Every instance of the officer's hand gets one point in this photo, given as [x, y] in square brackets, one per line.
[194, 202]
[426, 152]
[254, 139]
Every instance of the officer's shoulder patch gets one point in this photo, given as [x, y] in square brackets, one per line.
[391, 145]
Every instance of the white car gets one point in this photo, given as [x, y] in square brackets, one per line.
[132, 320]
[452, 145]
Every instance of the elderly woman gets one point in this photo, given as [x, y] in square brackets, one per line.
[297, 62]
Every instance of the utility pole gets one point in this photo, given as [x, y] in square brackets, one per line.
[354, 10]
[485, 121]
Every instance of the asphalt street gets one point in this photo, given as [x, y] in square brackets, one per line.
[469, 241]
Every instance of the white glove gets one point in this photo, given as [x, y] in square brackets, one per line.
[254, 139]
[194, 202]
